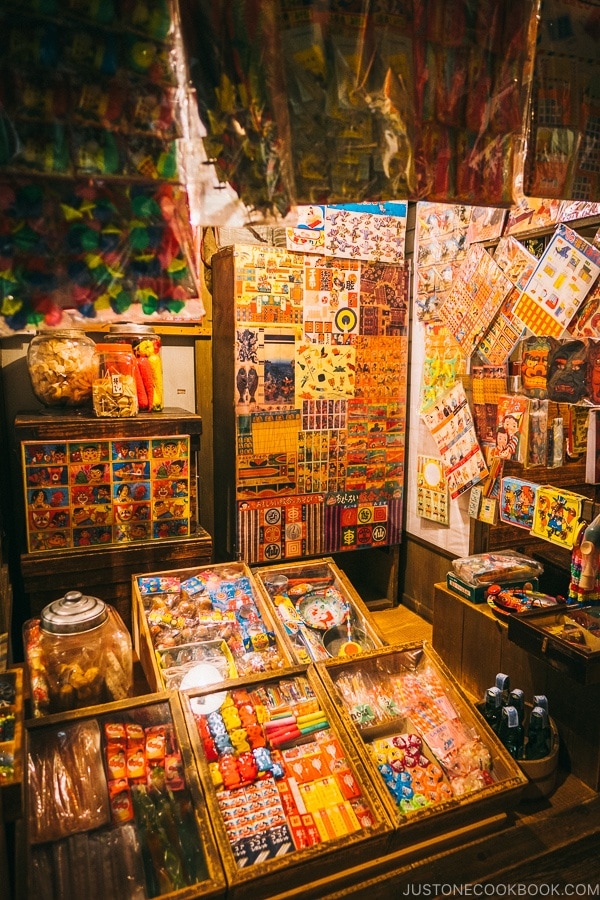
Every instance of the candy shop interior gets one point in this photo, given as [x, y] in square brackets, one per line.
[299, 448]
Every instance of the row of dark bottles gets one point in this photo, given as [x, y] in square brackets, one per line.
[504, 711]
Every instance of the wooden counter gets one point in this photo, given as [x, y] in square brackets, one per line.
[474, 644]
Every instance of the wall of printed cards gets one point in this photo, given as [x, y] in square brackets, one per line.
[319, 383]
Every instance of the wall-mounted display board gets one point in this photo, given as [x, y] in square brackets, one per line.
[309, 383]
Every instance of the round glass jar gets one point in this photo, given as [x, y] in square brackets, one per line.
[78, 654]
[61, 367]
[147, 347]
[114, 388]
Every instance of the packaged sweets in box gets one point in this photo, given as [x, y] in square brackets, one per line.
[437, 765]
[211, 615]
[113, 807]
[321, 613]
[288, 797]
[499, 566]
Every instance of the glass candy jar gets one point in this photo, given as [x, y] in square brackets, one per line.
[61, 367]
[114, 388]
[78, 653]
[147, 348]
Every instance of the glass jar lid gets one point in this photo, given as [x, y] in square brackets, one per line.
[130, 328]
[73, 613]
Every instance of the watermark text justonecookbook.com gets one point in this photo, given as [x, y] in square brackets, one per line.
[520, 889]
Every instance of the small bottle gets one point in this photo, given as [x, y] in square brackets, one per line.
[503, 682]
[541, 700]
[511, 731]
[493, 708]
[516, 698]
[538, 734]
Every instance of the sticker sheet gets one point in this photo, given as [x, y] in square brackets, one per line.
[98, 493]
[560, 283]
[476, 295]
[433, 496]
[441, 245]
[320, 403]
[452, 427]
[531, 214]
[486, 224]
[365, 231]
[443, 363]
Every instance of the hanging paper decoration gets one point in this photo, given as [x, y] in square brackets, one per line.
[433, 497]
[517, 502]
[557, 515]
[369, 231]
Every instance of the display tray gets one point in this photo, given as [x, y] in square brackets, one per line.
[434, 761]
[181, 616]
[313, 601]
[113, 805]
[288, 796]
[11, 741]
[546, 635]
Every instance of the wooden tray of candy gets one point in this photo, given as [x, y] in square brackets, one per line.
[287, 586]
[293, 831]
[203, 623]
[397, 693]
[78, 848]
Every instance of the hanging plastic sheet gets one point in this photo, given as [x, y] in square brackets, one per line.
[562, 159]
[340, 102]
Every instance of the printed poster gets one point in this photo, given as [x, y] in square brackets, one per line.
[441, 245]
[452, 427]
[433, 496]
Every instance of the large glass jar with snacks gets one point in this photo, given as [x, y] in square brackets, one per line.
[78, 653]
[114, 388]
[61, 367]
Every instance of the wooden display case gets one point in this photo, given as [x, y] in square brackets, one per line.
[544, 634]
[297, 856]
[145, 645]
[105, 566]
[390, 697]
[304, 578]
[42, 816]
[474, 644]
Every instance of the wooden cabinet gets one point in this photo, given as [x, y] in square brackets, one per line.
[101, 558]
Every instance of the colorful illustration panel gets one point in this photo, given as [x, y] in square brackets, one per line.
[87, 493]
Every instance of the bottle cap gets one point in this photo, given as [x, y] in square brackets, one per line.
[493, 696]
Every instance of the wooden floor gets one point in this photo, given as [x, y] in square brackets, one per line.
[553, 842]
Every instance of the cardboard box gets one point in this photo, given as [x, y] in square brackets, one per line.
[396, 692]
[87, 847]
[285, 587]
[476, 593]
[318, 819]
[184, 606]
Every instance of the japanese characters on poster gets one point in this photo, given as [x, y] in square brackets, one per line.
[366, 231]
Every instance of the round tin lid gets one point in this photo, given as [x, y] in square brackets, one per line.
[73, 613]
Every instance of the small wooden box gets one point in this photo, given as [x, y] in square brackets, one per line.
[40, 806]
[289, 861]
[316, 574]
[408, 687]
[540, 632]
[142, 637]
